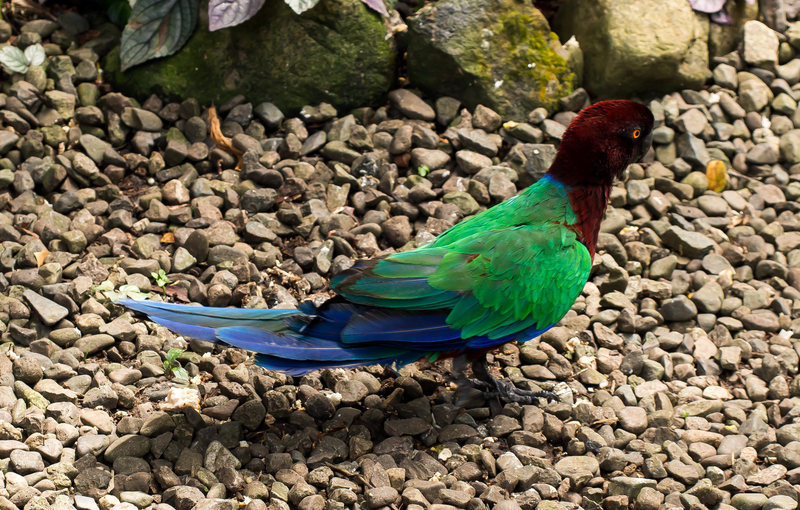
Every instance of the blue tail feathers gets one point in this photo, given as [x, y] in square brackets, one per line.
[303, 340]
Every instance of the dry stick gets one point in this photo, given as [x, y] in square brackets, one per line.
[221, 140]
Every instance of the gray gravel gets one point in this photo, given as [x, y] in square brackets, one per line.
[675, 370]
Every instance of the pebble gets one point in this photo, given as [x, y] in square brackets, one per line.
[678, 352]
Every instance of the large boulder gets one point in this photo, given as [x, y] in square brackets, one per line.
[336, 53]
[498, 53]
[634, 46]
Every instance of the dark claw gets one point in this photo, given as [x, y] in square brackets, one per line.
[510, 393]
[494, 387]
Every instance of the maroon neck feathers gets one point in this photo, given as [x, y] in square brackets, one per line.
[596, 148]
[589, 204]
[589, 177]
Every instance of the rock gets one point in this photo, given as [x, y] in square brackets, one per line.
[633, 419]
[748, 501]
[348, 61]
[754, 95]
[397, 230]
[381, 496]
[411, 105]
[630, 487]
[469, 48]
[693, 121]
[709, 298]
[351, 391]
[679, 308]
[217, 456]
[49, 311]
[130, 445]
[23, 462]
[635, 46]
[688, 244]
[578, 469]
[760, 45]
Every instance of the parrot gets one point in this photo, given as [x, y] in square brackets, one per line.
[507, 274]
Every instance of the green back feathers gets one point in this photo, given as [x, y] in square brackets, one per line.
[514, 267]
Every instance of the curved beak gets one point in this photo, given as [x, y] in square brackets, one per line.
[645, 147]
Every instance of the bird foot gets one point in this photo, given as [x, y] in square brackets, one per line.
[507, 392]
[491, 387]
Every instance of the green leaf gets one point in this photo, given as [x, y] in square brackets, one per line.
[133, 292]
[35, 55]
[174, 353]
[180, 373]
[13, 60]
[156, 28]
[423, 170]
[301, 6]
[103, 287]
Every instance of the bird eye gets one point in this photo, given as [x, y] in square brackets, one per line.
[636, 134]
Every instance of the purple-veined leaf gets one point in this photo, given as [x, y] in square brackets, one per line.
[708, 6]
[156, 28]
[301, 6]
[377, 6]
[229, 13]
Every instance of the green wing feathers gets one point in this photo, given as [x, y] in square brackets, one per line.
[520, 278]
[508, 270]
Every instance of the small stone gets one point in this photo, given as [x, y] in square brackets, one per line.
[411, 105]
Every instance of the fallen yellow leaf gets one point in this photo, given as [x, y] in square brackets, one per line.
[717, 176]
[40, 256]
[168, 238]
[221, 140]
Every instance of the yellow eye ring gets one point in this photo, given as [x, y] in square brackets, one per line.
[636, 134]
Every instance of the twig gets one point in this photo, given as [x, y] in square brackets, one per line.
[221, 140]
[737, 174]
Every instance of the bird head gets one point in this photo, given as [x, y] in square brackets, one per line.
[602, 141]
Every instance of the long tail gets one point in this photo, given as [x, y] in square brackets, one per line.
[292, 341]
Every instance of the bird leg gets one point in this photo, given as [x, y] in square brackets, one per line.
[504, 388]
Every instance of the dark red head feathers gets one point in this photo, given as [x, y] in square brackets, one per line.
[601, 142]
[596, 148]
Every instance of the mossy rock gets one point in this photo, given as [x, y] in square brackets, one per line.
[336, 53]
[637, 46]
[498, 53]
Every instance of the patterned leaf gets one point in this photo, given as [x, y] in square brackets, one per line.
[717, 176]
[157, 28]
[301, 6]
[229, 13]
[377, 6]
[35, 55]
[13, 60]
